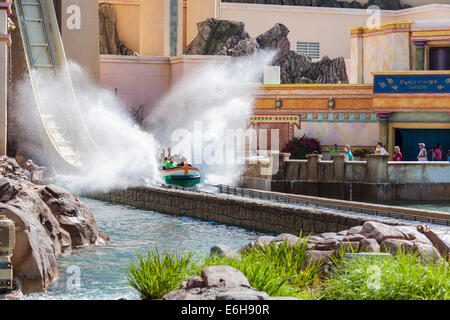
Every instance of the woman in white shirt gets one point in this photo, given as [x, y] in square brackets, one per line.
[380, 150]
[422, 153]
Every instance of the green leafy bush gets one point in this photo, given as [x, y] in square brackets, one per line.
[278, 269]
[403, 277]
[157, 275]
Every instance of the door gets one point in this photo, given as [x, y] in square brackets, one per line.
[408, 139]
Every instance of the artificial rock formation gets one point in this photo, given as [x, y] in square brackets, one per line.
[431, 245]
[223, 37]
[110, 42]
[217, 283]
[50, 221]
[383, 4]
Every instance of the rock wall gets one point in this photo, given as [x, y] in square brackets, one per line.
[383, 4]
[223, 37]
[110, 42]
[245, 213]
[50, 221]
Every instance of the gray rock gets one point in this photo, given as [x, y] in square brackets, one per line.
[380, 231]
[348, 246]
[285, 237]
[354, 237]
[393, 246]
[264, 241]
[110, 42]
[369, 245]
[412, 234]
[318, 256]
[354, 230]
[327, 244]
[217, 283]
[275, 39]
[428, 253]
[223, 250]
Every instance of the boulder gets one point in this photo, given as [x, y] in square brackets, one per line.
[286, 237]
[275, 39]
[222, 250]
[347, 246]
[369, 245]
[110, 42]
[216, 37]
[393, 246]
[7, 191]
[327, 244]
[412, 234]
[380, 231]
[243, 48]
[72, 215]
[34, 258]
[354, 237]
[354, 230]
[318, 256]
[328, 70]
[217, 283]
[428, 253]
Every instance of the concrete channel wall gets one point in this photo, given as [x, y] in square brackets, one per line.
[374, 180]
[246, 213]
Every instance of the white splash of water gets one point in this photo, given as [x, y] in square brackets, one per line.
[128, 154]
[201, 112]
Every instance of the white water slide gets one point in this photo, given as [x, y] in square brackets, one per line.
[66, 138]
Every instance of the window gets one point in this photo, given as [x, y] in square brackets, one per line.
[311, 49]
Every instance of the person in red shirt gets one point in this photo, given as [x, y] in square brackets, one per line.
[437, 152]
[398, 155]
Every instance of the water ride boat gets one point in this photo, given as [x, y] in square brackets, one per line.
[184, 175]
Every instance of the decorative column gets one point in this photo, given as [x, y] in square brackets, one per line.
[5, 41]
[420, 54]
[384, 128]
[356, 46]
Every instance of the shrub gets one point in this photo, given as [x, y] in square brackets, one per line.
[403, 277]
[157, 275]
[300, 147]
[279, 270]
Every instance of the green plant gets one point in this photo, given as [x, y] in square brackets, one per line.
[403, 277]
[156, 275]
[279, 269]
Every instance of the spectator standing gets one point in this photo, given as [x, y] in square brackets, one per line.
[437, 152]
[335, 151]
[380, 150]
[448, 155]
[422, 153]
[348, 153]
[398, 155]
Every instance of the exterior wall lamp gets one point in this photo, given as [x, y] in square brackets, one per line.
[278, 104]
[331, 103]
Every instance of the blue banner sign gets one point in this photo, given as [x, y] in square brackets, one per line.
[414, 83]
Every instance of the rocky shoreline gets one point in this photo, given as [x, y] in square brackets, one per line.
[227, 283]
[49, 221]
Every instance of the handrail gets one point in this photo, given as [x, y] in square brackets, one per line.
[265, 195]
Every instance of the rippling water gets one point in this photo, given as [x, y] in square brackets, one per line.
[103, 269]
